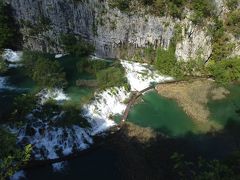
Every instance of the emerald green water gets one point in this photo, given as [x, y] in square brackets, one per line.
[19, 83]
[226, 109]
[161, 114]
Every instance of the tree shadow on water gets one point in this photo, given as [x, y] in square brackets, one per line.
[151, 159]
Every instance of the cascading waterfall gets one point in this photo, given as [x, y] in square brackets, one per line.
[141, 76]
[50, 142]
[106, 104]
[54, 94]
[2, 82]
[12, 56]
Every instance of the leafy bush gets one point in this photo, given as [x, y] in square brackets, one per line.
[76, 47]
[232, 4]
[122, 5]
[3, 66]
[20, 111]
[112, 76]
[11, 157]
[174, 8]
[202, 9]
[233, 22]
[9, 35]
[46, 72]
[92, 67]
[166, 62]
[225, 71]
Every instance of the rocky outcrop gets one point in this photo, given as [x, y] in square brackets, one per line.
[195, 43]
[115, 34]
[110, 30]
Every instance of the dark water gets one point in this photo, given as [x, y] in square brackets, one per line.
[101, 164]
[17, 83]
[225, 110]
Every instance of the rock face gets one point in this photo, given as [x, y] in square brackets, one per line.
[112, 32]
[115, 34]
[195, 43]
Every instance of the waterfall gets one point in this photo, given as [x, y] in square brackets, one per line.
[141, 76]
[12, 56]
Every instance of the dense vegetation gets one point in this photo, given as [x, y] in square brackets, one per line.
[44, 70]
[76, 46]
[91, 66]
[11, 156]
[225, 71]
[175, 8]
[112, 76]
[9, 35]
[3, 66]
[206, 169]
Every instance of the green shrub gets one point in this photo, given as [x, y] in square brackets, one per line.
[11, 157]
[46, 72]
[221, 49]
[122, 5]
[232, 4]
[112, 76]
[9, 35]
[3, 66]
[92, 67]
[76, 47]
[166, 62]
[225, 71]
[233, 22]
[20, 111]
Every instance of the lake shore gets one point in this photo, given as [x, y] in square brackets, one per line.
[193, 96]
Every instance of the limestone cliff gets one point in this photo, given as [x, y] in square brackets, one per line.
[115, 34]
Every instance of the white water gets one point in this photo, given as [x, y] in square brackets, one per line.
[15, 65]
[47, 140]
[55, 94]
[107, 103]
[57, 56]
[12, 56]
[18, 175]
[141, 76]
[2, 82]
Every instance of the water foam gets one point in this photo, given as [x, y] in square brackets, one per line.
[141, 76]
[55, 94]
[106, 104]
[18, 175]
[2, 82]
[12, 56]
[51, 142]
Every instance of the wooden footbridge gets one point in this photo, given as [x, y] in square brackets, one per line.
[135, 96]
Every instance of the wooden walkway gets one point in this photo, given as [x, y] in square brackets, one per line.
[135, 96]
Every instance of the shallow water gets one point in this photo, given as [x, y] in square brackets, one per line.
[161, 114]
[226, 109]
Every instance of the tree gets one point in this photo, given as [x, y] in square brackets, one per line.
[3, 66]
[48, 73]
[12, 158]
[8, 29]
[45, 71]
[225, 71]
[112, 76]
[76, 47]
[166, 62]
